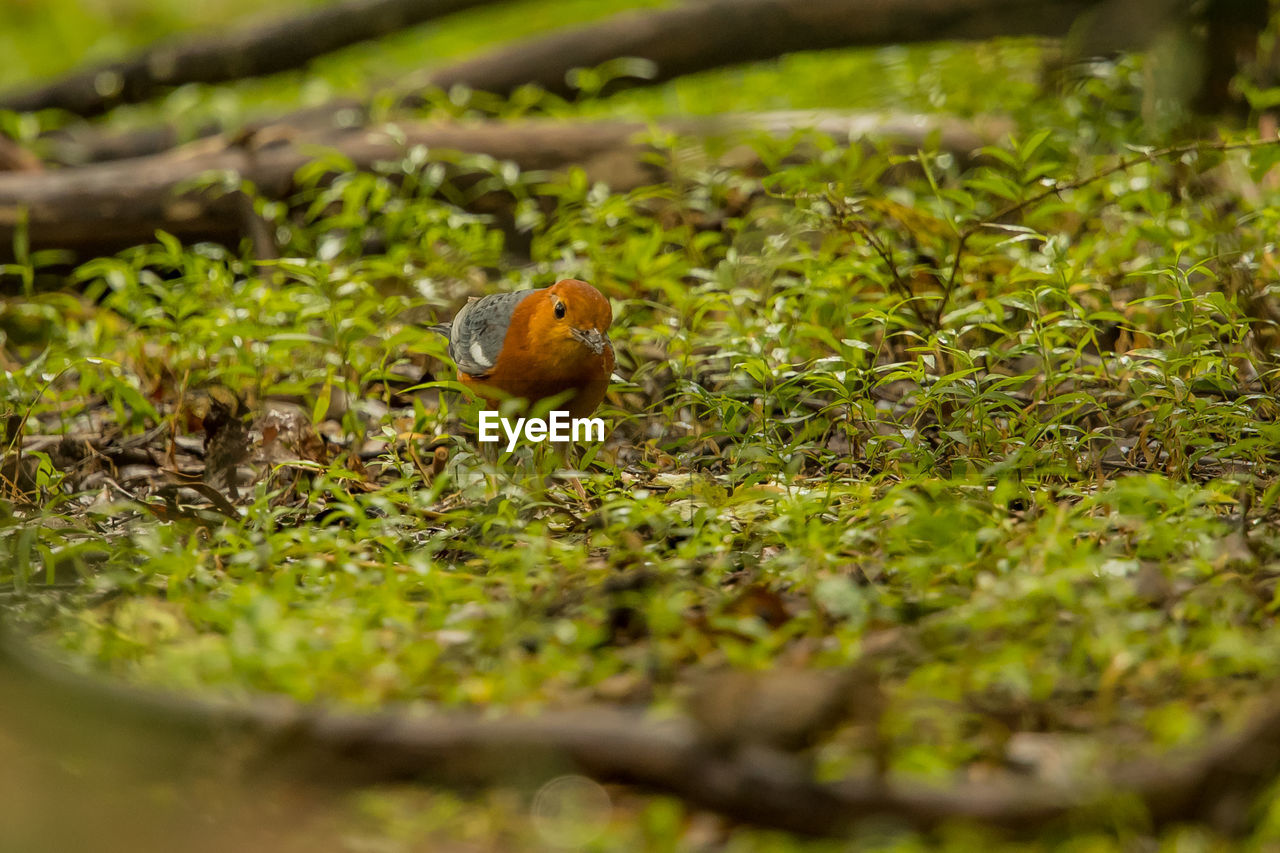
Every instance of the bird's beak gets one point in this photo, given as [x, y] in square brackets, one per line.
[595, 340]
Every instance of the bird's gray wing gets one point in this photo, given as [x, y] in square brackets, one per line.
[476, 337]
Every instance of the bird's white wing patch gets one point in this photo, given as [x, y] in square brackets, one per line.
[478, 354]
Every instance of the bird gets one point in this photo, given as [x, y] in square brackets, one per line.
[535, 344]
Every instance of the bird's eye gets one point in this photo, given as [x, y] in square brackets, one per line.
[560, 310]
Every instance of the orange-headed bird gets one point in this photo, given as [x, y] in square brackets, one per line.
[536, 344]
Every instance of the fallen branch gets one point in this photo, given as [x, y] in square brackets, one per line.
[711, 34]
[103, 207]
[684, 39]
[48, 704]
[275, 46]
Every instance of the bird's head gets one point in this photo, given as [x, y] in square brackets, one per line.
[575, 311]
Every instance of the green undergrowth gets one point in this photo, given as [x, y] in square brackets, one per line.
[1016, 447]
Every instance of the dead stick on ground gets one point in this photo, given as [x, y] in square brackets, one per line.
[104, 207]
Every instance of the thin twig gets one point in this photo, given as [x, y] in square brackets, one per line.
[1128, 163]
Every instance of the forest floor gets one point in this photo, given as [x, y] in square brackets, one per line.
[1003, 431]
